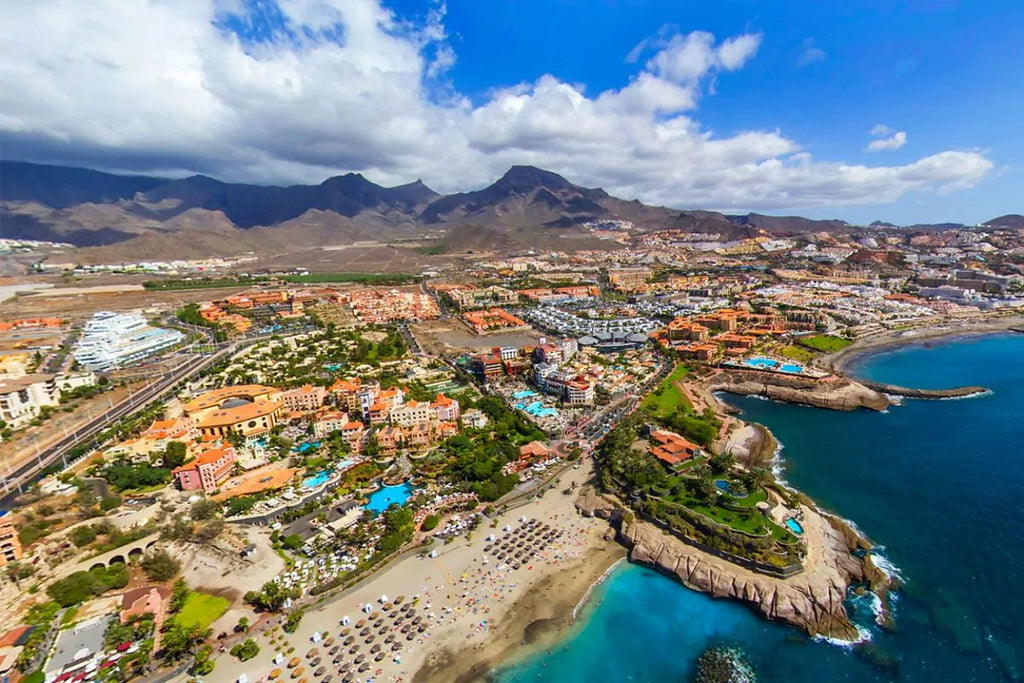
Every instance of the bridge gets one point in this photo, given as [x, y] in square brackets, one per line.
[126, 554]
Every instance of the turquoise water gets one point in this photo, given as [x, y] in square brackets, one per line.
[537, 409]
[306, 446]
[523, 394]
[382, 498]
[937, 483]
[794, 526]
[769, 364]
[723, 486]
[316, 480]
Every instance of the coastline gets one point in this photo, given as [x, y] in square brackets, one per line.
[542, 618]
[845, 362]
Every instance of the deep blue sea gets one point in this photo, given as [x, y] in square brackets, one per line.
[938, 484]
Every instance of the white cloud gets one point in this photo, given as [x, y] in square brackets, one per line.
[810, 54]
[895, 141]
[880, 130]
[346, 85]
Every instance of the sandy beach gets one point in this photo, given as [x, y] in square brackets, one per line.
[476, 610]
[843, 361]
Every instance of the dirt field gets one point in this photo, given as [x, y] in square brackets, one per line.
[355, 259]
[452, 336]
[78, 307]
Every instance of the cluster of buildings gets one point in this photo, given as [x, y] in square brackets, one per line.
[373, 306]
[22, 399]
[489, 320]
[725, 332]
[470, 297]
[10, 546]
[114, 340]
[239, 310]
[561, 295]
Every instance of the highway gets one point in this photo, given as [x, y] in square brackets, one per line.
[14, 479]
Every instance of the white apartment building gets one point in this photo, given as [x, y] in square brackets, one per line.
[114, 340]
[21, 399]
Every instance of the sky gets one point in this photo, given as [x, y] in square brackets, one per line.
[909, 112]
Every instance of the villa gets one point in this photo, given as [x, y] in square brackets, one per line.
[206, 472]
[672, 449]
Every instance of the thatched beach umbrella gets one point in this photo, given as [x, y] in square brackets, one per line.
[390, 638]
[399, 599]
[360, 658]
[396, 647]
[294, 662]
[375, 648]
[275, 673]
[320, 671]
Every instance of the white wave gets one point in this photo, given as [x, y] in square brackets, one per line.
[601, 579]
[976, 394]
[874, 604]
[885, 564]
[863, 636]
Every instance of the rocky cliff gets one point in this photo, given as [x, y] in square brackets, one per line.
[812, 600]
[837, 393]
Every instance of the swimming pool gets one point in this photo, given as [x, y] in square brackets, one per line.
[537, 409]
[316, 480]
[382, 498]
[303, 447]
[794, 526]
[523, 394]
[723, 486]
[769, 364]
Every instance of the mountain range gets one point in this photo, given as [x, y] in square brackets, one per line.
[146, 216]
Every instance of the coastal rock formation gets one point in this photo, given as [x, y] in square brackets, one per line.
[812, 600]
[837, 393]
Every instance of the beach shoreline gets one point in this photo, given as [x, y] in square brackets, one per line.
[541, 619]
[846, 361]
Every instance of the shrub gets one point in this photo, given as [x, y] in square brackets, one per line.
[159, 565]
[431, 522]
[245, 650]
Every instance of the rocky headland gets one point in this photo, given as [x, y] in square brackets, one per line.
[834, 392]
[812, 600]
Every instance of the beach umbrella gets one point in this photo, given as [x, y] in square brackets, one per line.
[399, 599]
[354, 649]
[382, 631]
[421, 628]
[294, 662]
[361, 623]
[298, 672]
[365, 632]
[375, 648]
[390, 638]
[329, 642]
[315, 661]
[345, 631]
[363, 667]
[320, 671]
[334, 650]
[275, 673]
[327, 679]
[380, 656]
[396, 647]
[360, 658]
[348, 640]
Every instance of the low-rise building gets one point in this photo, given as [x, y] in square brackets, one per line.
[10, 545]
[304, 398]
[206, 472]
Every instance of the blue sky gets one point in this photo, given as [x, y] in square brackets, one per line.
[733, 106]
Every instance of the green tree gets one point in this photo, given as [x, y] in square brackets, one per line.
[430, 522]
[179, 594]
[174, 455]
[245, 650]
[159, 565]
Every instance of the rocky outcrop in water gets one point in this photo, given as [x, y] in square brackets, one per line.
[812, 600]
[837, 393]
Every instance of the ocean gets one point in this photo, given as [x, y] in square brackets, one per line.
[938, 485]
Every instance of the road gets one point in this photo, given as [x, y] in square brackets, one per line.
[16, 478]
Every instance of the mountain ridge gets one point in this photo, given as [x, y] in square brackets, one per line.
[92, 208]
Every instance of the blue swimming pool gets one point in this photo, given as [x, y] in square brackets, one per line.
[769, 364]
[316, 480]
[520, 406]
[523, 394]
[794, 526]
[723, 486]
[537, 409]
[303, 447]
[382, 498]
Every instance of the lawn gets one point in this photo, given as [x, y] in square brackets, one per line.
[751, 499]
[825, 343]
[797, 353]
[202, 609]
[664, 400]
